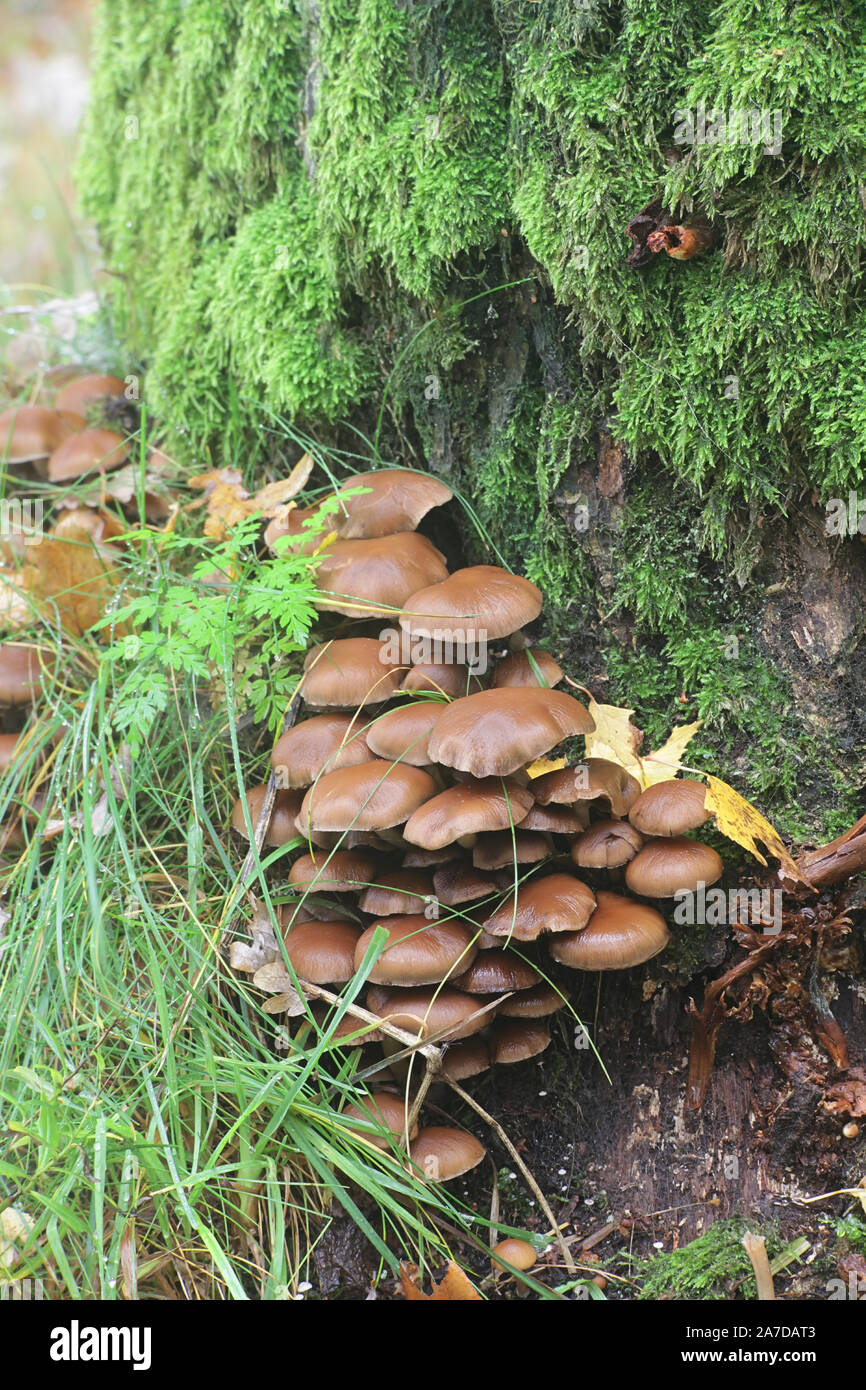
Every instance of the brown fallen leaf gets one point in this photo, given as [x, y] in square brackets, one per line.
[69, 574]
[741, 822]
[454, 1288]
[228, 502]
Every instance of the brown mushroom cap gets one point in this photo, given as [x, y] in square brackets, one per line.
[470, 807]
[385, 1112]
[518, 1039]
[456, 883]
[555, 903]
[324, 743]
[441, 678]
[282, 827]
[517, 1253]
[385, 501]
[448, 1013]
[592, 780]
[665, 867]
[496, 732]
[365, 579]
[323, 952]
[349, 672]
[349, 1031]
[397, 893]
[29, 432]
[86, 452]
[371, 796]
[8, 746]
[606, 845]
[303, 540]
[84, 391]
[482, 602]
[340, 871]
[417, 953]
[20, 674]
[537, 1002]
[498, 848]
[670, 808]
[621, 933]
[402, 734]
[518, 669]
[497, 972]
[442, 1154]
[467, 1058]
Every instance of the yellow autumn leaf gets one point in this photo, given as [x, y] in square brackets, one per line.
[615, 737]
[663, 763]
[228, 502]
[741, 822]
[454, 1288]
[543, 765]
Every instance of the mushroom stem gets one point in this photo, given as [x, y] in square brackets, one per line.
[757, 1252]
[530, 1180]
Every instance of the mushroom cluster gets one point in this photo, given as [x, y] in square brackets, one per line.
[426, 850]
[57, 439]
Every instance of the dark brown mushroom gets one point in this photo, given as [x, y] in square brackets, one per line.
[349, 672]
[482, 604]
[554, 903]
[371, 796]
[670, 808]
[417, 952]
[496, 732]
[621, 934]
[467, 809]
[367, 579]
[668, 866]
[606, 845]
[524, 668]
[321, 744]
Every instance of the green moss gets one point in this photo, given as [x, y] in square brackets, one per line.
[706, 1268]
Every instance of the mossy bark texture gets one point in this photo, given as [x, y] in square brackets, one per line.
[288, 190]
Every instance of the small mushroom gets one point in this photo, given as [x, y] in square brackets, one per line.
[324, 743]
[538, 1002]
[399, 892]
[384, 1112]
[517, 1253]
[555, 903]
[471, 807]
[665, 867]
[518, 1039]
[365, 579]
[372, 796]
[457, 883]
[606, 845]
[323, 952]
[340, 871]
[482, 603]
[497, 972]
[441, 1153]
[465, 1059]
[87, 452]
[31, 432]
[282, 826]
[20, 674]
[349, 672]
[84, 391]
[500, 848]
[417, 952]
[441, 678]
[449, 1014]
[496, 732]
[670, 808]
[402, 734]
[596, 779]
[621, 934]
[524, 668]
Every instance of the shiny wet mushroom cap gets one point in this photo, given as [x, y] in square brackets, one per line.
[473, 806]
[397, 892]
[448, 1014]
[457, 883]
[30, 432]
[524, 668]
[670, 808]
[323, 952]
[20, 674]
[321, 744]
[595, 779]
[402, 734]
[371, 796]
[417, 952]
[554, 903]
[441, 1153]
[386, 501]
[517, 1039]
[517, 1253]
[282, 826]
[367, 579]
[621, 933]
[91, 451]
[502, 847]
[334, 871]
[383, 1111]
[495, 972]
[482, 603]
[667, 866]
[496, 732]
[349, 672]
[607, 844]
[537, 1002]
[84, 391]
[465, 1059]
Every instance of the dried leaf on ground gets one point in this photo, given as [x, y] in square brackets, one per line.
[454, 1288]
[741, 822]
[275, 978]
[68, 573]
[228, 502]
[262, 947]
